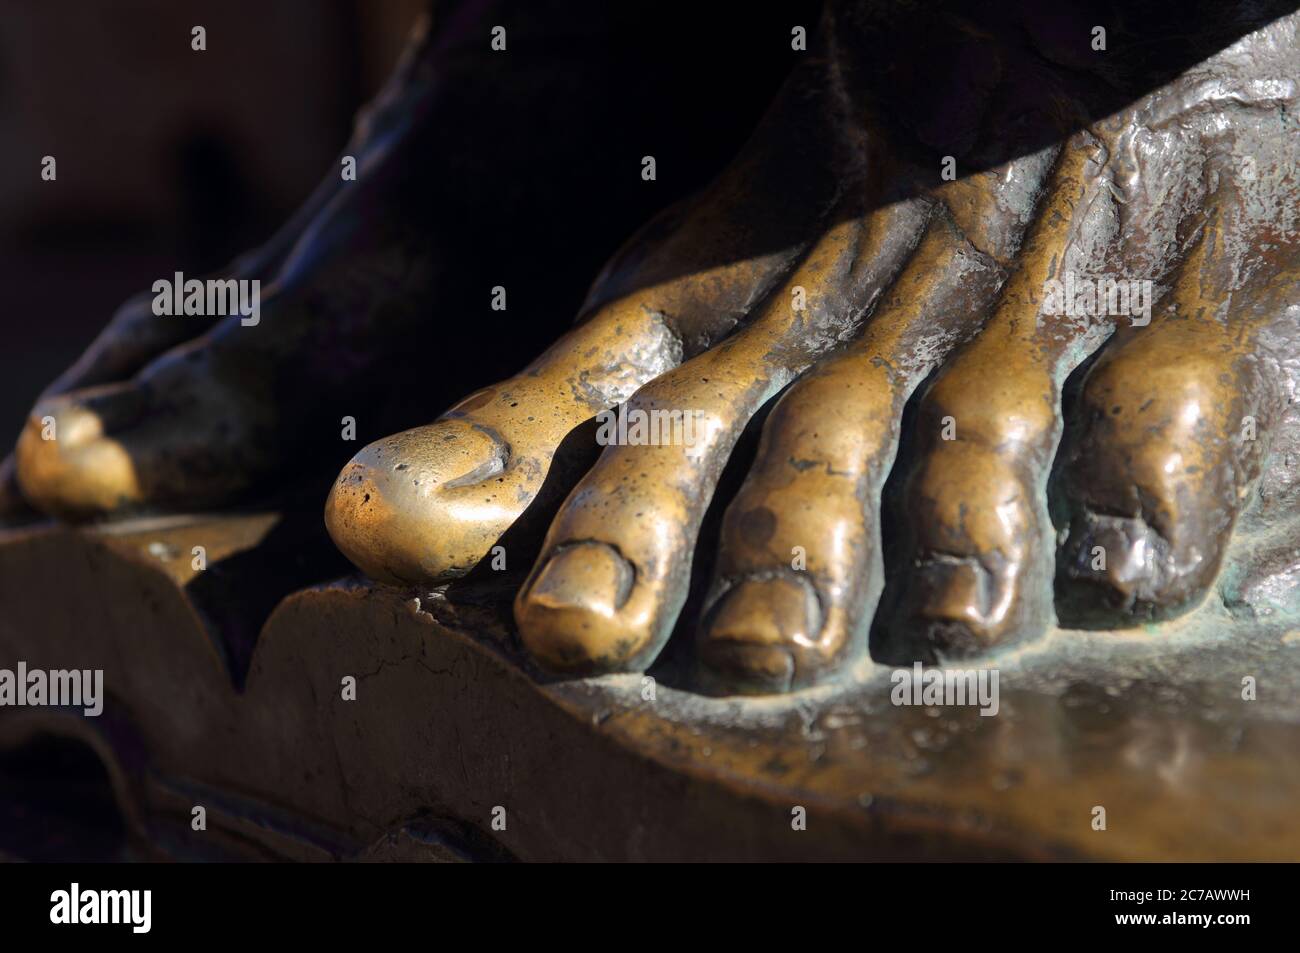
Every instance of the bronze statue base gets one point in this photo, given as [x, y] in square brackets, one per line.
[449, 726]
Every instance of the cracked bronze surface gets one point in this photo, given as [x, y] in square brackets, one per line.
[451, 720]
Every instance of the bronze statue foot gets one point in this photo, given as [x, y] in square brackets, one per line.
[833, 262]
[191, 410]
[208, 421]
[178, 375]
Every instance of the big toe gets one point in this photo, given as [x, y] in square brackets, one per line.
[70, 462]
[425, 504]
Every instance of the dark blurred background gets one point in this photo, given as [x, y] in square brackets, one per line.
[167, 158]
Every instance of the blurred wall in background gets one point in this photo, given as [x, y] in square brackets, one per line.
[167, 157]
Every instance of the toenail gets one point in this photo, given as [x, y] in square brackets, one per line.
[955, 607]
[1118, 551]
[952, 588]
[1131, 563]
[591, 576]
[498, 456]
[475, 401]
[774, 611]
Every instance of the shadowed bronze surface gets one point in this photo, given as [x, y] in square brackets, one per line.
[449, 722]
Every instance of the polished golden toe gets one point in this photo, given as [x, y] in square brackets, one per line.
[570, 614]
[69, 464]
[426, 504]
